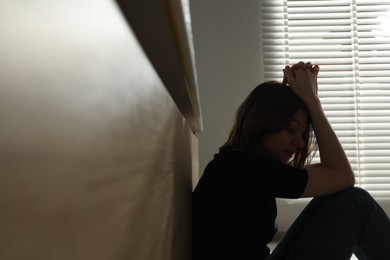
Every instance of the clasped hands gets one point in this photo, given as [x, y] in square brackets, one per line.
[302, 78]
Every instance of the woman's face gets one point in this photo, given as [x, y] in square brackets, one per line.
[284, 144]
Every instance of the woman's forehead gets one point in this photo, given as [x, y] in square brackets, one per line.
[300, 117]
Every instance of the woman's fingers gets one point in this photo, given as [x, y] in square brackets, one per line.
[305, 66]
[299, 65]
[289, 76]
[284, 79]
[301, 72]
[315, 69]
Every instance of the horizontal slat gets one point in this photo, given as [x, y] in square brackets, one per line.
[329, 10]
[315, 22]
[320, 48]
[309, 16]
[323, 4]
[320, 35]
[375, 173]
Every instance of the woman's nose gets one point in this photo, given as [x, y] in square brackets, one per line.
[298, 142]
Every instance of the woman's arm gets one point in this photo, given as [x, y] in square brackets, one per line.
[334, 173]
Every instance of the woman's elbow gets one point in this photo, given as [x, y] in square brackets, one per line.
[351, 179]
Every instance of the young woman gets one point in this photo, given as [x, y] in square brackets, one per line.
[266, 157]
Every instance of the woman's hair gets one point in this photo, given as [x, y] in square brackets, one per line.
[268, 109]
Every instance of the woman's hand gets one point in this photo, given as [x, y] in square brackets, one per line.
[302, 78]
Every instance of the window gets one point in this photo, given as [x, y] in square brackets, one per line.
[350, 41]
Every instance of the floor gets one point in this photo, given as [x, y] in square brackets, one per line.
[278, 236]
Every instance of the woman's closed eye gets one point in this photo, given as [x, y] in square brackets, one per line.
[292, 130]
[296, 131]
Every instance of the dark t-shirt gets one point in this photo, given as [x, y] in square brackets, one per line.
[234, 206]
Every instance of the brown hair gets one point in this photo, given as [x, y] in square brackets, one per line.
[269, 108]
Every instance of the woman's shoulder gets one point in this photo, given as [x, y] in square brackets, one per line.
[229, 164]
[231, 157]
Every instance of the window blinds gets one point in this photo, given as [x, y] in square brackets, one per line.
[350, 41]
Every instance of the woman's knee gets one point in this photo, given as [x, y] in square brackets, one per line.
[358, 192]
[357, 196]
[353, 197]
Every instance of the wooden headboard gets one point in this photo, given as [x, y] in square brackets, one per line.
[98, 152]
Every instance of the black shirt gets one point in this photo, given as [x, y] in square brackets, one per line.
[234, 206]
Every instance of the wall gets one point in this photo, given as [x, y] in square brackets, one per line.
[96, 158]
[228, 57]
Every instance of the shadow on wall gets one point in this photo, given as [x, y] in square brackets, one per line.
[161, 214]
